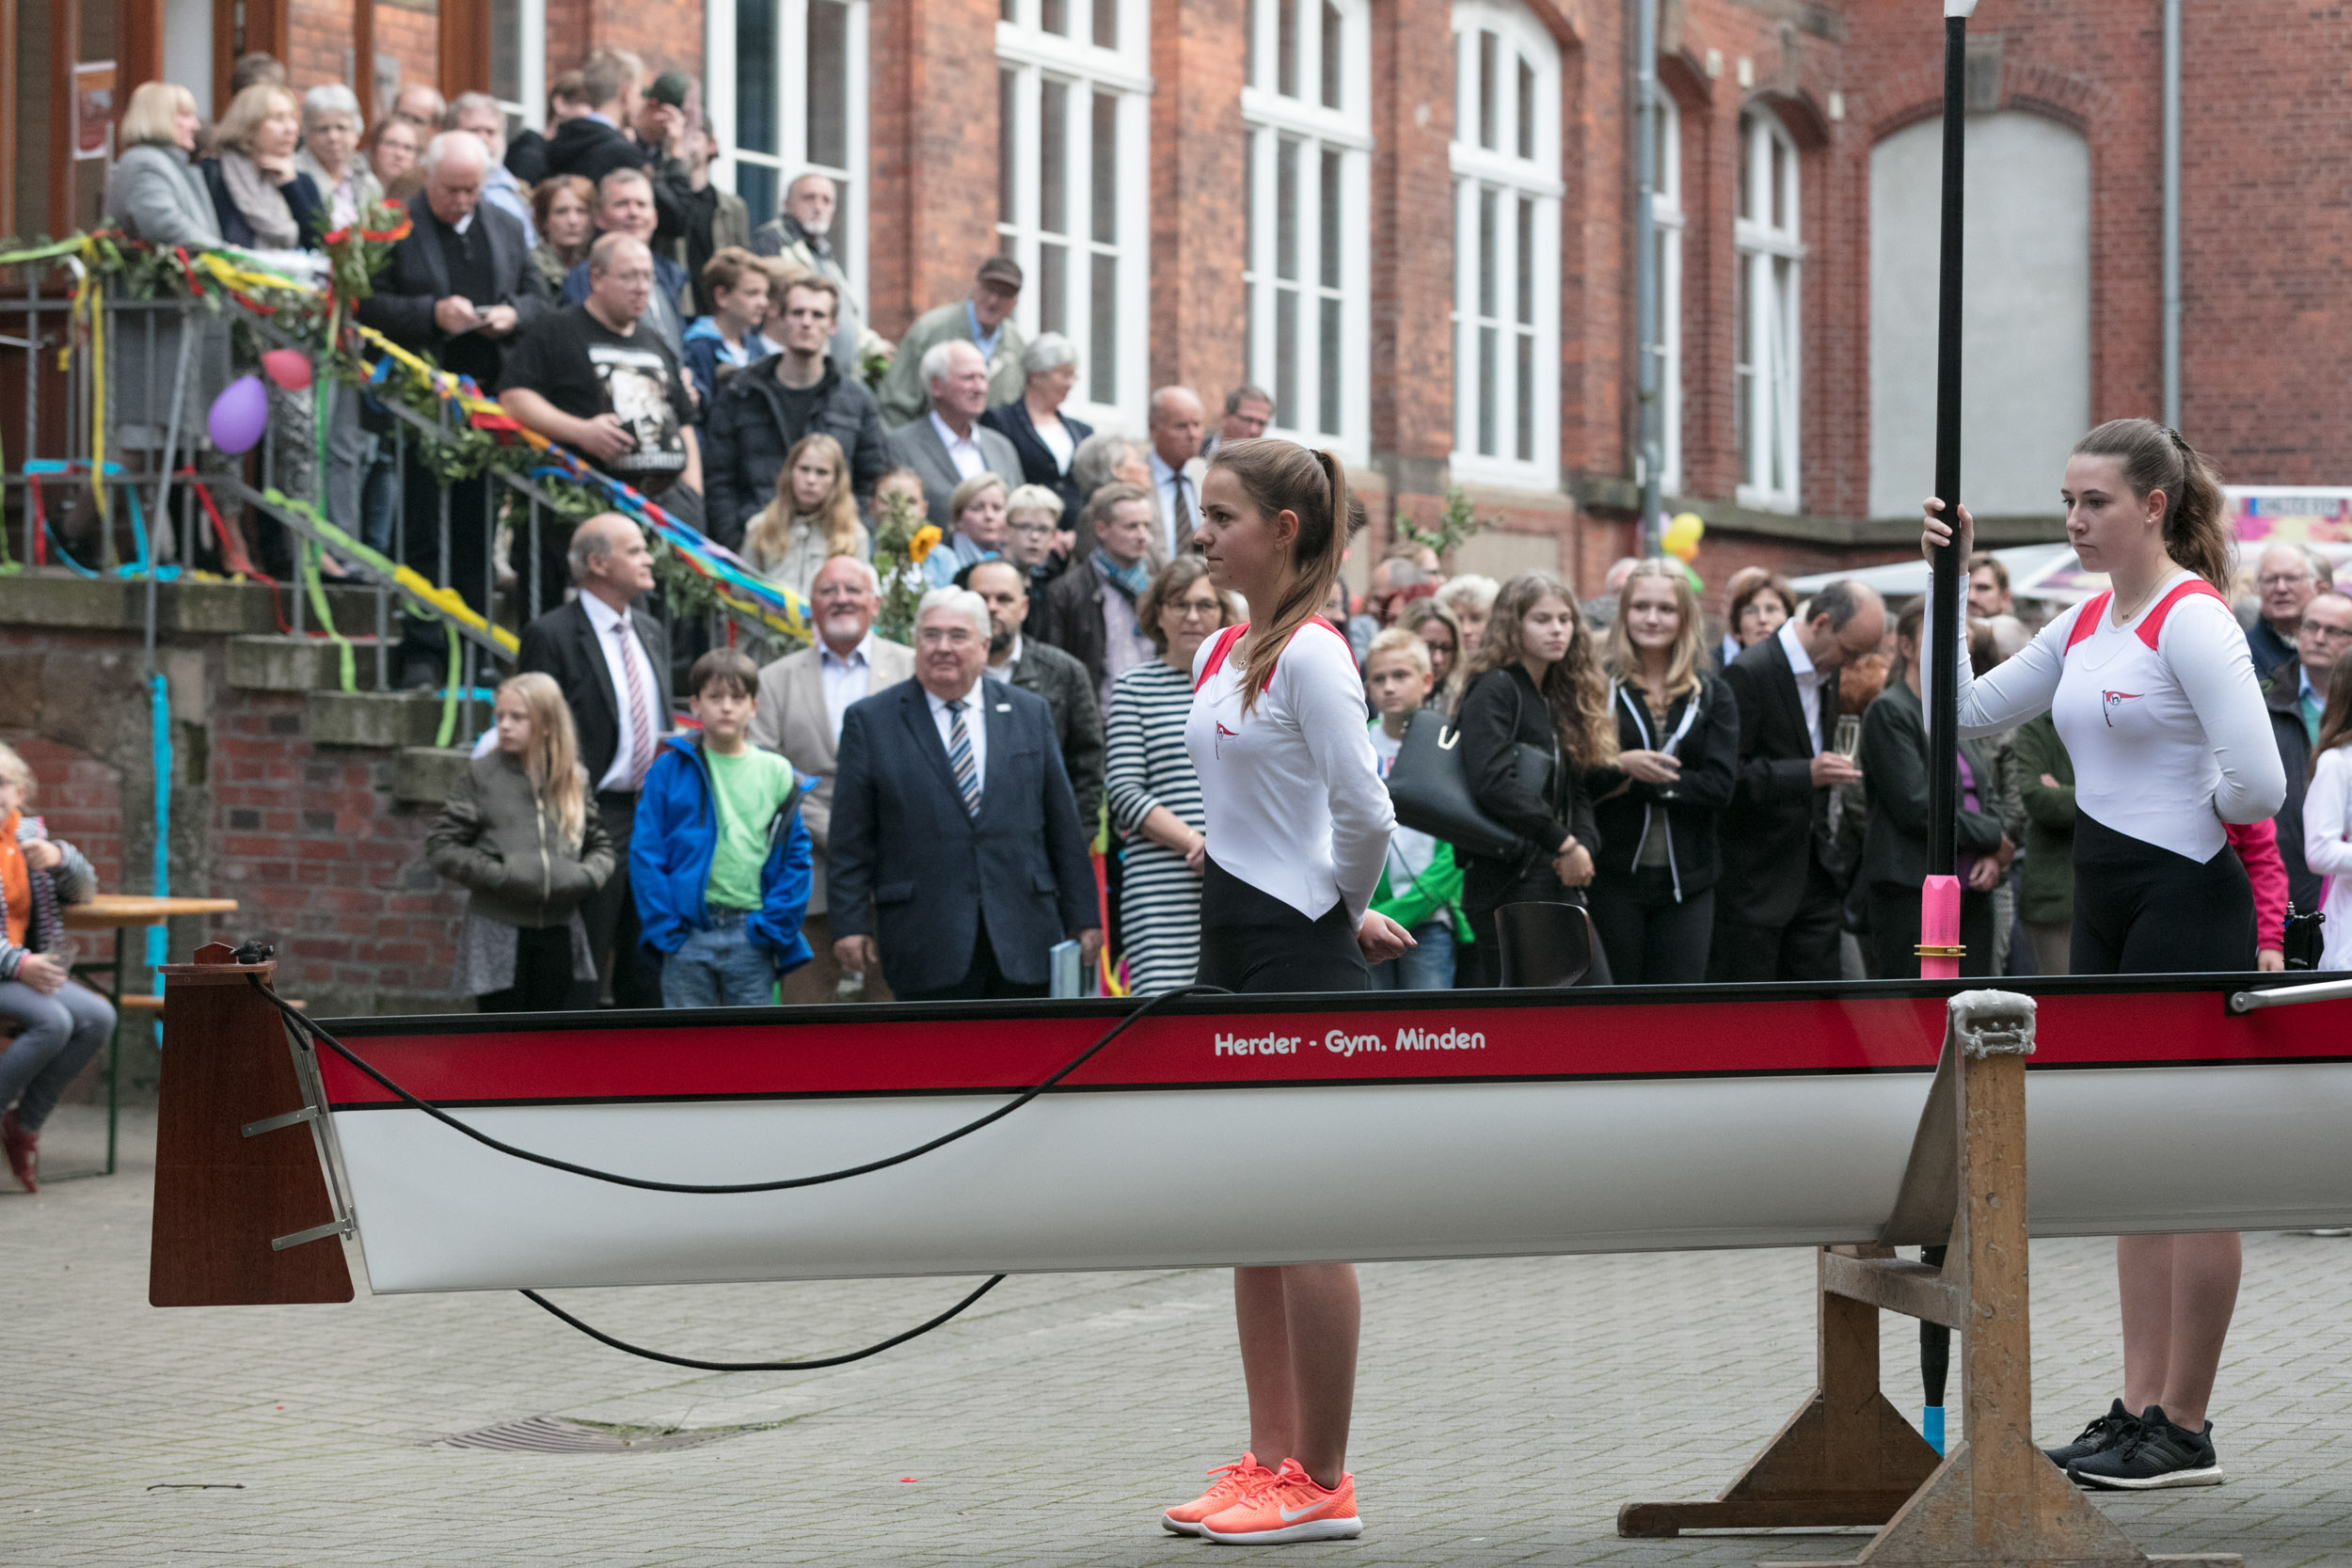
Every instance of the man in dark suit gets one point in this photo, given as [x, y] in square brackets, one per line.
[1779, 905]
[459, 288]
[612, 662]
[949, 445]
[1035, 666]
[958, 859]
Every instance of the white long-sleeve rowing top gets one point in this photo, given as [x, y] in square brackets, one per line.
[2162, 714]
[1295, 802]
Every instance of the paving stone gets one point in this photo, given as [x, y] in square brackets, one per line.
[1505, 1409]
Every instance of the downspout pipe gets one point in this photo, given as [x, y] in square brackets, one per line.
[1651, 438]
[2172, 212]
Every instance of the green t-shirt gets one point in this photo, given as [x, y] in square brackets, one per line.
[750, 786]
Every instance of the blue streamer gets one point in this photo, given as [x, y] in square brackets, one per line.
[159, 703]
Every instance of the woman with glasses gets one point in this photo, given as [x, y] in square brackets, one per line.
[1155, 794]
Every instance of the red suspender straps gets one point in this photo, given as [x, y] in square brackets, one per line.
[1230, 635]
[2087, 619]
[2150, 625]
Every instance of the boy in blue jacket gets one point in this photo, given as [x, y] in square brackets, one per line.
[719, 860]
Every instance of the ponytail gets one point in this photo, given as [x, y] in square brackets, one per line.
[1282, 476]
[2157, 457]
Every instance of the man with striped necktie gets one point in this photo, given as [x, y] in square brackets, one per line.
[612, 662]
[958, 860]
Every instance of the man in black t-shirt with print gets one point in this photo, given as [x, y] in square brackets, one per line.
[591, 378]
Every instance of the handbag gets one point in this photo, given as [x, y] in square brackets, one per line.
[1430, 792]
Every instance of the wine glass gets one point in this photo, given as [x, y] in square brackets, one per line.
[1849, 742]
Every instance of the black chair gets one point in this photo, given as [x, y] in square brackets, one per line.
[1543, 945]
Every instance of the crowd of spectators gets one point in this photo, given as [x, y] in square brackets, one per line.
[1735, 799]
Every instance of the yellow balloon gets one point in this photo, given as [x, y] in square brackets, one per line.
[1685, 549]
[1683, 535]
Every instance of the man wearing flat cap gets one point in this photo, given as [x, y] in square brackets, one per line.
[984, 320]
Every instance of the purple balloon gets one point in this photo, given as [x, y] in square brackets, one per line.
[239, 415]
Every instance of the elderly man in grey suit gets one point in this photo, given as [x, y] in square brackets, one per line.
[949, 445]
[802, 698]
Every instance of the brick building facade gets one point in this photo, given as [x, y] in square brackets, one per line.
[1411, 219]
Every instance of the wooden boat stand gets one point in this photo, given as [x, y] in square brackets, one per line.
[1848, 1457]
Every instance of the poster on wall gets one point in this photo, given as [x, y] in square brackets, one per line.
[2319, 515]
[93, 107]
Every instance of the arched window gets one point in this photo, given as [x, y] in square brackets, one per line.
[1667, 210]
[1765, 321]
[1506, 245]
[1074, 176]
[2026, 335]
[1306, 105]
[786, 93]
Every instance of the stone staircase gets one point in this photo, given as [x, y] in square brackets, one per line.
[404, 722]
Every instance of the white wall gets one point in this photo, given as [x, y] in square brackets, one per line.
[2026, 350]
[188, 49]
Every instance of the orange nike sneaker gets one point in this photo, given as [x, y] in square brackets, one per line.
[1235, 1483]
[1290, 1508]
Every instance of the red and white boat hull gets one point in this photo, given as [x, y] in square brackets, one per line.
[1290, 1129]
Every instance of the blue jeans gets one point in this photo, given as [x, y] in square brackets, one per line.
[61, 1032]
[718, 966]
[1428, 967]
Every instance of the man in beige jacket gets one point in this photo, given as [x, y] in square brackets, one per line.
[802, 698]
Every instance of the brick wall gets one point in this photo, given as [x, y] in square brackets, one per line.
[932, 149]
[327, 866]
[1197, 307]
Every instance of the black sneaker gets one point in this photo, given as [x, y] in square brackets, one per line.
[2102, 1435]
[2157, 1454]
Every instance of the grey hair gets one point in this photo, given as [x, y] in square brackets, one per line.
[465, 101]
[1090, 465]
[934, 366]
[1468, 589]
[331, 98]
[617, 177]
[1048, 351]
[590, 543]
[873, 578]
[1167, 395]
[1841, 601]
[959, 601]
[2321, 570]
[446, 142]
[794, 183]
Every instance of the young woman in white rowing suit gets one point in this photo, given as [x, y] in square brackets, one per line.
[1298, 831]
[2152, 691]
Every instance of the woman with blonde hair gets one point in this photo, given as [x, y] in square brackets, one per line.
[59, 1022]
[1470, 598]
[811, 519]
[262, 200]
[976, 513]
[154, 191]
[521, 835]
[1535, 681]
[1653, 893]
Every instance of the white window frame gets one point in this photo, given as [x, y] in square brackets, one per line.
[1270, 117]
[531, 27]
[1519, 184]
[1775, 389]
[1667, 213]
[791, 156]
[1033, 55]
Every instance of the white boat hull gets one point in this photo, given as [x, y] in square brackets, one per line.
[1126, 1176]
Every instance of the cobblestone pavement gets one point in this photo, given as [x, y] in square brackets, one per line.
[1506, 1409]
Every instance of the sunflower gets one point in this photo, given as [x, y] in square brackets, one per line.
[925, 539]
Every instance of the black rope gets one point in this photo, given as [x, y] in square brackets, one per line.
[918, 1329]
[305, 1026]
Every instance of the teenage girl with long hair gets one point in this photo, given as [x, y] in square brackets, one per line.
[812, 517]
[1535, 681]
[1653, 893]
[1298, 831]
[2151, 689]
[519, 833]
[2328, 814]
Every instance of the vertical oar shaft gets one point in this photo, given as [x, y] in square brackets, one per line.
[1939, 898]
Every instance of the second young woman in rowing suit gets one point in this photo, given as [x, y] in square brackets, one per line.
[1298, 831]
[2154, 692]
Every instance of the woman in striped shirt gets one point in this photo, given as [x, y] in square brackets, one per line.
[1155, 794]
